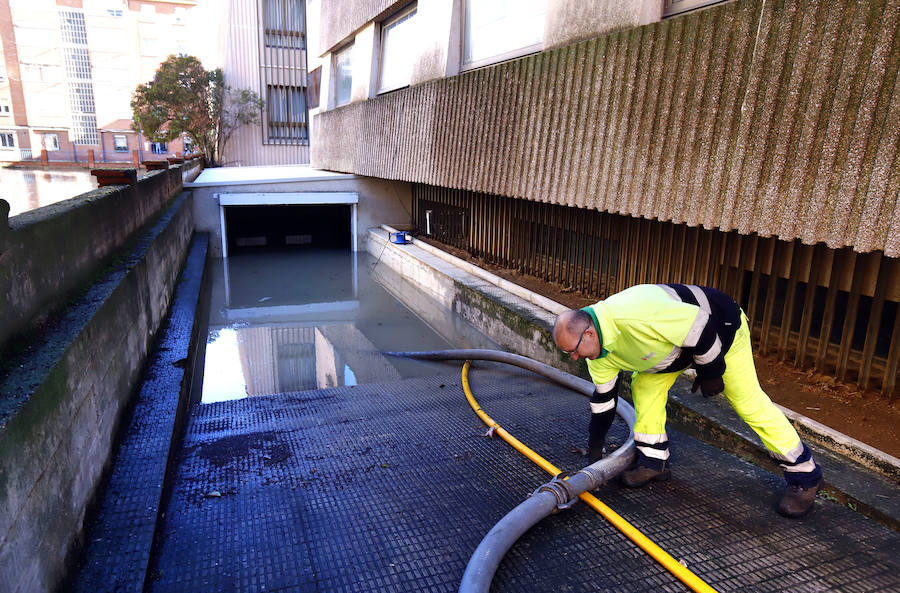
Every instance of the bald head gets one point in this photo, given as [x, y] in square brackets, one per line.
[570, 324]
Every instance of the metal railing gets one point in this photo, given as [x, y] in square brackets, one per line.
[832, 310]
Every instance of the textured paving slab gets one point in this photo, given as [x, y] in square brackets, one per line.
[390, 487]
[121, 529]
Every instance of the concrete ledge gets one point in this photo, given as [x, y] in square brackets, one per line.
[60, 405]
[120, 536]
[47, 255]
[858, 475]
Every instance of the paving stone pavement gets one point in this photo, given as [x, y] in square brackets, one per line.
[390, 487]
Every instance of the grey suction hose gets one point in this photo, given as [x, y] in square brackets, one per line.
[554, 495]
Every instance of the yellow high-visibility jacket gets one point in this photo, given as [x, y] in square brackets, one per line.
[662, 328]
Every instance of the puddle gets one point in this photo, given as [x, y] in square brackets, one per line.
[298, 320]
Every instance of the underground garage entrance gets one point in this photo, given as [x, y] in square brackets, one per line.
[263, 222]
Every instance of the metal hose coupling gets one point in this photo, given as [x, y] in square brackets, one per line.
[565, 498]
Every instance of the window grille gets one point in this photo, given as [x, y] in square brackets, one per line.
[78, 64]
[72, 26]
[286, 114]
[284, 23]
[84, 128]
[81, 97]
[78, 75]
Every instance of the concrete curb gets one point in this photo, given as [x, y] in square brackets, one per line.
[691, 417]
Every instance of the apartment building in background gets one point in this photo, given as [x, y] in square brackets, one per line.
[68, 69]
[265, 46]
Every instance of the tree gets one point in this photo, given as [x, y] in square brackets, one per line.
[185, 98]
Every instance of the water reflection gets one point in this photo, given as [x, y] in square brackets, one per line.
[29, 189]
[293, 321]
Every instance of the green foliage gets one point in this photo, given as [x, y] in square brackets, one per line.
[185, 98]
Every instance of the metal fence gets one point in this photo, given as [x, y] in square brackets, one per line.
[834, 311]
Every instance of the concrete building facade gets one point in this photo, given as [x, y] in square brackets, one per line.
[265, 47]
[748, 145]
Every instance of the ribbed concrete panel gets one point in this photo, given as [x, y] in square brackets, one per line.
[775, 118]
[341, 19]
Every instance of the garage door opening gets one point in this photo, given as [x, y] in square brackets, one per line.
[287, 221]
[254, 228]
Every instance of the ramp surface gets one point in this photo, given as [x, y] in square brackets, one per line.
[390, 487]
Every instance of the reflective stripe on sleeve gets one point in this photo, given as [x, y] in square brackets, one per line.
[702, 301]
[693, 335]
[670, 291]
[711, 354]
[791, 456]
[665, 362]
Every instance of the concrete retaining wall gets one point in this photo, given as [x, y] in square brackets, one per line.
[60, 405]
[513, 322]
[48, 254]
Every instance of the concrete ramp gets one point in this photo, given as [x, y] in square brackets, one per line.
[391, 486]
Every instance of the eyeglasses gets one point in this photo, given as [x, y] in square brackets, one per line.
[580, 338]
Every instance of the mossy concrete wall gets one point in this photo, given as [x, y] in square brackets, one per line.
[48, 254]
[61, 401]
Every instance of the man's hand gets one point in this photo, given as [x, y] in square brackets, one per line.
[708, 387]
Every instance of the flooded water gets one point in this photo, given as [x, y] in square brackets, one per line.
[29, 189]
[293, 321]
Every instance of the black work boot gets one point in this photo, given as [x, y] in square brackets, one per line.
[637, 477]
[797, 501]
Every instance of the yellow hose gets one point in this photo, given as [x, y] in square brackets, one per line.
[657, 553]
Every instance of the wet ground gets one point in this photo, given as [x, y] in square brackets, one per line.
[27, 189]
[357, 484]
[390, 487]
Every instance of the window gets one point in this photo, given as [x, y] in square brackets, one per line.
[179, 15]
[120, 143]
[114, 12]
[81, 97]
[51, 142]
[671, 7]
[72, 26]
[4, 107]
[502, 29]
[84, 128]
[7, 140]
[399, 49]
[78, 65]
[286, 114]
[188, 145]
[284, 23]
[158, 148]
[343, 75]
